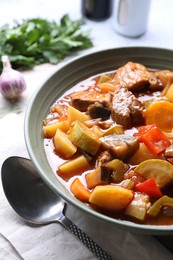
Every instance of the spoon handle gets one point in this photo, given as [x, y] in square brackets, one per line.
[85, 239]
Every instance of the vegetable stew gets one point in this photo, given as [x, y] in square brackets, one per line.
[109, 139]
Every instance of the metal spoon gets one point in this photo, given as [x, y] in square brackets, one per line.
[35, 202]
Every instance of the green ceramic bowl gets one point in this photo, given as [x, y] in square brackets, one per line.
[65, 77]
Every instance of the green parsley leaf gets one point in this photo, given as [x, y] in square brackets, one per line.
[36, 41]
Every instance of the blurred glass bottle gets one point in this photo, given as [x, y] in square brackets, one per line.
[130, 17]
[97, 10]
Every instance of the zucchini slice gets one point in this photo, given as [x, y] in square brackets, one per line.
[160, 170]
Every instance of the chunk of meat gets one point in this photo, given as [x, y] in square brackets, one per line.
[165, 76]
[154, 82]
[166, 79]
[126, 109]
[103, 158]
[97, 110]
[161, 80]
[82, 100]
[133, 76]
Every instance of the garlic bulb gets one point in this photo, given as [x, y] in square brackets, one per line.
[12, 82]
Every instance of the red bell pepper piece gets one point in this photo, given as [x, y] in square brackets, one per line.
[153, 138]
[143, 130]
[149, 187]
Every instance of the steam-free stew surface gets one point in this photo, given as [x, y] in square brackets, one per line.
[109, 140]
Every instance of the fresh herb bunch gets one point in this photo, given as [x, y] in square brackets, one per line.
[36, 41]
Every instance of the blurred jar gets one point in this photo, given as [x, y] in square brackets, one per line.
[97, 10]
[130, 17]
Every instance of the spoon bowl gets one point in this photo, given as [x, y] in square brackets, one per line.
[36, 203]
[28, 195]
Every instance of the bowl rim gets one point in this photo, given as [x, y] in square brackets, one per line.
[122, 224]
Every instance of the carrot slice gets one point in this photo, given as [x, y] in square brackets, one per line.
[161, 114]
[106, 87]
[80, 191]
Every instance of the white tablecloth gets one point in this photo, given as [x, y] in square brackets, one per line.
[19, 240]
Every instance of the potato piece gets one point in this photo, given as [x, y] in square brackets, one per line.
[74, 167]
[110, 197]
[63, 145]
[160, 170]
[50, 129]
[142, 154]
[84, 138]
[116, 129]
[97, 130]
[138, 206]
[120, 144]
[74, 114]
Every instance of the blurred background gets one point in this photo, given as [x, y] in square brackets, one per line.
[159, 30]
